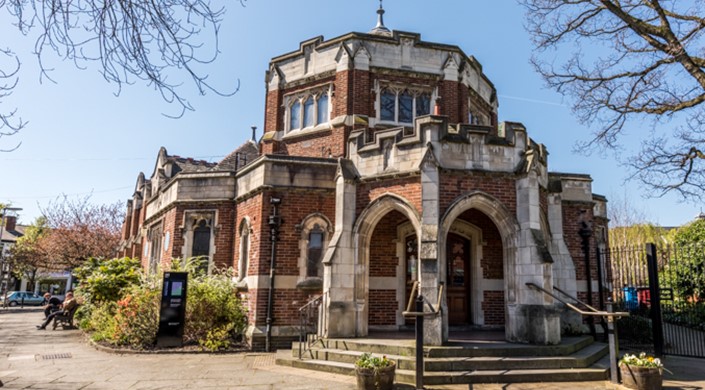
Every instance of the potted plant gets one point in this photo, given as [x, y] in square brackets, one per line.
[374, 373]
[641, 372]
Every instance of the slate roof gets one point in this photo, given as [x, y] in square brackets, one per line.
[248, 152]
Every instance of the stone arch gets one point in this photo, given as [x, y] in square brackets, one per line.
[314, 221]
[506, 225]
[362, 234]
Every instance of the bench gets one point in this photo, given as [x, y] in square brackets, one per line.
[65, 319]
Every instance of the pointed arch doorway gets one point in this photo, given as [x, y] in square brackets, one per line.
[458, 277]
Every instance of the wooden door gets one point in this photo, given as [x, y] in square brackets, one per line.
[458, 279]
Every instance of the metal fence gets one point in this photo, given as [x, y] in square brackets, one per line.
[663, 287]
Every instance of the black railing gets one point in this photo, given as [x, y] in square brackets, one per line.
[308, 324]
[662, 287]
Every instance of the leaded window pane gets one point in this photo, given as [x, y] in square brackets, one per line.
[308, 112]
[295, 116]
[315, 252]
[322, 109]
[423, 104]
[406, 104]
[387, 103]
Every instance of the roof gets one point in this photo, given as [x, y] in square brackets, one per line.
[246, 153]
[12, 235]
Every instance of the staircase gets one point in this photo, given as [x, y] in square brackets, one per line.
[575, 359]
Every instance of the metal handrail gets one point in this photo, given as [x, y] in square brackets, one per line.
[434, 310]
[593, 312]
[305, 311]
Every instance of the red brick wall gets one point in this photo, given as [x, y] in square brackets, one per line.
[493, 307]
[331, 143]
[383, 249]
[252, 208]
[408, 188]
[451, 104]
[273, 111]
[383, 307]
[571, 226]
[499, 185]
[492, 261]
[295, 206]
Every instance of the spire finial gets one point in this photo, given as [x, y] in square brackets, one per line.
[380, 29]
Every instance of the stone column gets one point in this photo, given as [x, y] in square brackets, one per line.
[532, 318]
[429, 269]
[340, 311]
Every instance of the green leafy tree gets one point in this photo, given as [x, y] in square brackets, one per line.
[29, 256]
[685, 271]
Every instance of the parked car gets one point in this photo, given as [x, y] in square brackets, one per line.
[14, 298]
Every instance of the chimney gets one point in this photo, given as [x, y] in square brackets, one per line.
[11, 223]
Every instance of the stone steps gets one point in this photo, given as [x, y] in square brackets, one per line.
[575, 359]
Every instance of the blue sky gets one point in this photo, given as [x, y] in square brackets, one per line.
[82, 139]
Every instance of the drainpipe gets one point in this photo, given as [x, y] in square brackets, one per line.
[274, 223]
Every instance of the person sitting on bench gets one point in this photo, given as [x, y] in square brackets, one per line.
[51, 304]
[68, 305]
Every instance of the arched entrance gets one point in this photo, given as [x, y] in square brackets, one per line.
[381, 236]
[477, 265]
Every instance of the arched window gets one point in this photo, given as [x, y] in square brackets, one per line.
[314, 267]
[406, 107]
[243, 261]
[295, 116]
[323, 115]
[309, 109]
[316, 231]
[423, 104]
[402, 105]
[309, 114]
[388, 105]
[202, 244]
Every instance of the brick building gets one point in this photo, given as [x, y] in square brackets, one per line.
[388, 165]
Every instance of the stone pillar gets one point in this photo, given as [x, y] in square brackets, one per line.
[429, 269]
[532, 318]
[563, 267]
[340, 314]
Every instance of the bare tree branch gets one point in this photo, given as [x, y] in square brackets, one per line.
[631, 60]
[163, 43]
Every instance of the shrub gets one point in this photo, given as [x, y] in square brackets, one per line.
[215, 317]
[137, 318]
[106, 280]
[123, 309]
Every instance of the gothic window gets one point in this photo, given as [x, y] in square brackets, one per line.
[294, 115]
[323, 113]
[388, 104]
[243, 261]
[403, 105]
[308, 109]
[315, 233]
[315, 252]
[155, 242]
[198, 234]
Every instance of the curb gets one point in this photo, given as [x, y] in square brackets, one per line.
[124, 351]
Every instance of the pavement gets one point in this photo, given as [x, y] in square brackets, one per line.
[65, 360]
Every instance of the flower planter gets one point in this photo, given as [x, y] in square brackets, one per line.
[641, 378]
[375, 378]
